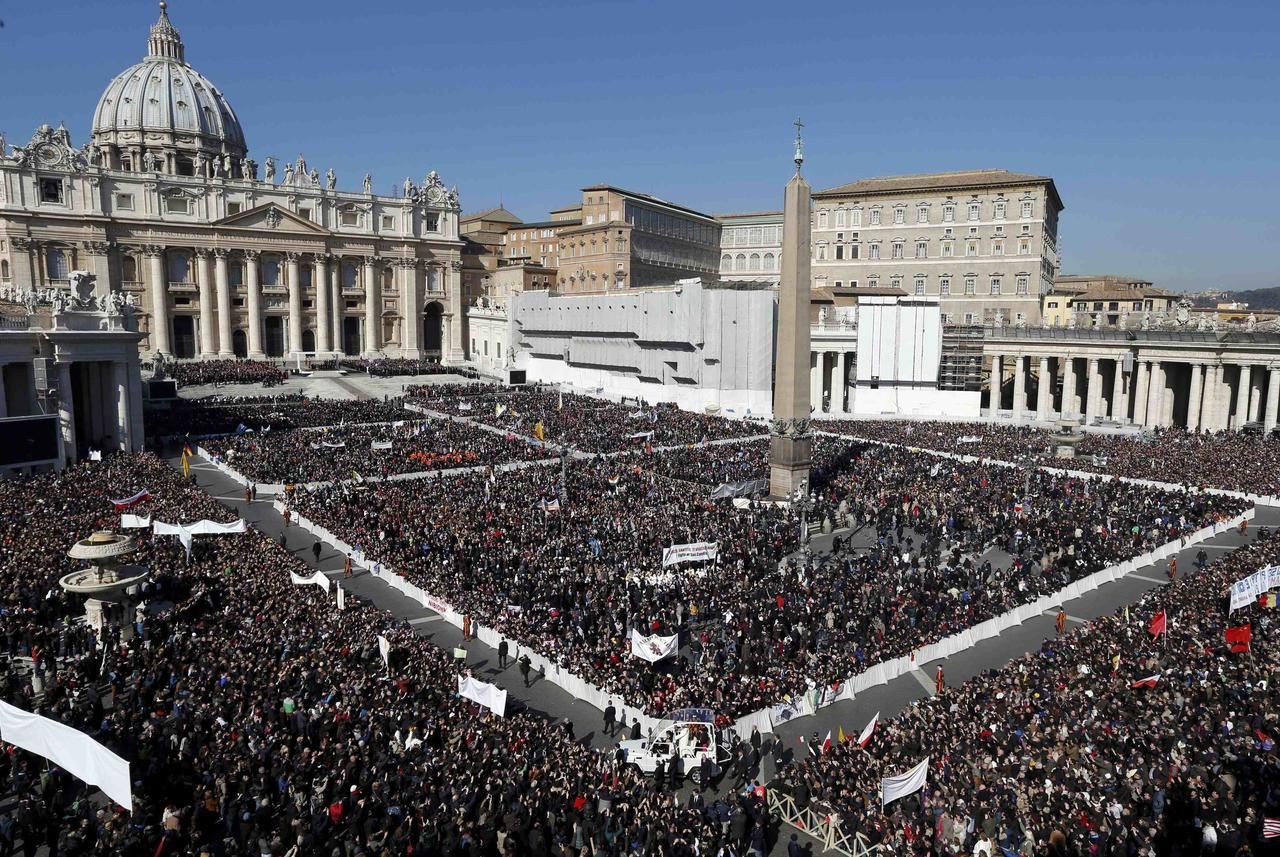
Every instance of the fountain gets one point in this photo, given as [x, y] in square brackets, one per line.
[1065, 439]
[107, 580]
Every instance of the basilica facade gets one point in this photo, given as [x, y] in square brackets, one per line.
[221, 255]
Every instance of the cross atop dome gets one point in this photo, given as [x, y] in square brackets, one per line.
[164, 41]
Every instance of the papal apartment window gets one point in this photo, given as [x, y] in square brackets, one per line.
[855, 218]
[997, 248]
[822, 252]
[946, 249]
[1000, 210]
[822, 220]
[51, 190]
[124, 201]
[897, 250]
[899, 215]
[973, 211]
[1026, 208]
[875, 217]
[922, 215]
[944, 285]
[839, 251]
[995, 285]
[839, 217]
[1024, 284]
[971, 248]
[922, 249]
[948, 213]
[875, 251]
[1024, 248]
[919, 285]
[970, 285]
[853, 252]
[177, 205]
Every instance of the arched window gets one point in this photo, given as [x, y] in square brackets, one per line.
[350, 275]
[305, 272]
[4, 269]
[726, 262]
[57, 260]
[768, 261]
[179, 268]
[269, 272]
[755, 262]
[129, 269]
[740, 263]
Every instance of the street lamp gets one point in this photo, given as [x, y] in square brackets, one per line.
[803, 503]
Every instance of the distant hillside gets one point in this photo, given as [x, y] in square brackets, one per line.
[1255, 298]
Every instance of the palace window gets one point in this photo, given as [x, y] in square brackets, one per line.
[919, 285]
[57, 262]
[948, 213]
[1023, 284]
[899, 215]
[839, 251]
[922, 215]
[1026, 208]
[995, 285]
[1024, 247]
[897, 249]
[944, 285]
[875, 217]
[769, 261]
[840, 216]
[997, 248]
[726, 262]
[1001, 206]
[922, 249]
[855, 218]
[970, 285]
[875, 251]
[946, 249]
[971, 248]
[973, 211]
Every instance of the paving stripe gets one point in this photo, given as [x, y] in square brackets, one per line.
[424, 620]
[925, 682]
[1148, 579]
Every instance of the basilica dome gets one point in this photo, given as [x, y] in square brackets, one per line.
[164, 107]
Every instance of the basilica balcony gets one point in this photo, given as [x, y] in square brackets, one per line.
[183, 288]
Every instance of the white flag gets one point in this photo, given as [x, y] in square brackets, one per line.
[384, 649]
[892, 788]
[653, 648]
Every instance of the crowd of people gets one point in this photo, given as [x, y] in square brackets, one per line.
[588, 424]
[214, 415]
[388, 367]
[1232, 461]
[365, 451]
[260, 720]
[1105, 741]
[573, 580]
[190, 373]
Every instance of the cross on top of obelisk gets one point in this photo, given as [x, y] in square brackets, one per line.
[799, 157]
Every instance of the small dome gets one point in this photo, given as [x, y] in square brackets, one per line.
[163, 94]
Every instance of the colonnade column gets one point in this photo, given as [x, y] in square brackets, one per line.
[1093, 391]
[372, 306]
[1196, 398]
[996, 383]
[1211, 399]
[339, 303]
[1120, 393]
[1019, 386]
[254, 288]
[66, 413]
[411, 309]
[159, 288]
[1255, 396]
[1069, 387]
[815, 380]
[1155, 403]
[320, 285]
[120, 380]
[1273, 400]
[1242, 398]
[1141, 392]
[295, 301]
[454, 353]
[1044, 392]
[223, 285]
[204, 276]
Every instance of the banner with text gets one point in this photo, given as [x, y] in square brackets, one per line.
[693, 552]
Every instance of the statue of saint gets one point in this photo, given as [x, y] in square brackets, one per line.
[331, 179]
[368, 183]
[270, 166]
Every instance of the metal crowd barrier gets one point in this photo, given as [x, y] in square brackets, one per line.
[823, 824]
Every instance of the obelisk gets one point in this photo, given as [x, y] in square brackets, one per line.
[791, 447]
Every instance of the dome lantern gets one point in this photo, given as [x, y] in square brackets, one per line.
[164, 42]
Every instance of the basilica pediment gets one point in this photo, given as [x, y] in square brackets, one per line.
[270, 217]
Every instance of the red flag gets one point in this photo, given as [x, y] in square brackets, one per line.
[1270, 828]
[1149, 681]
[826, 742]
[1239, 638]
[865, 738]
[1158, 624]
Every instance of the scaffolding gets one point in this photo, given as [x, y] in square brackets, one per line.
[960, 366]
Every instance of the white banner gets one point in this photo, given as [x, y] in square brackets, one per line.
[653, 648]
[1245, 592]
[184, 532]
[693, 552]
[380, 444]
[342, 597]
[488, 695]
[319, 579]
[135, 522]
[892, 788]
[384, 649]
[68, 748]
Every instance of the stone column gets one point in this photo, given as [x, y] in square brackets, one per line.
[120, 381]
[995, 385]
[453, 287]
[1069, 405]
[1141, 392]
[1273, 400]
[4, 394]
[410, 309]
[1255, 396]
[222, 282]
[1019, 386]
[1093, 391]
[66, 413]
[372, 306]
[844, 366]
[23, 273]
[1242, 398]
[1044, 392]
[254, 288]
[99, 253]
[320, 284]
[815, 381]
[1196, 397]
[1120, 394]
[204, 276]
[339, 302]
[293, 272]
[1210, 399]
[1155, 404]
[157, 283]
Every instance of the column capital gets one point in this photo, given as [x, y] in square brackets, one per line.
[201, 252]
[98, 248]
[455, 264]
[324, 258]
[292, 256]
[153, 249]
[255, 255]
[220, 252]
[406, 263]
[374, 261]
[20, 243]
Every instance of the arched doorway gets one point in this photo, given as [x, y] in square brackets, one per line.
[309, 341]
[433, 329]
[273, 328]
[184, 336]
[351, 336]
[240, 343]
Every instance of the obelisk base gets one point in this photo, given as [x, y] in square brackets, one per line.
[789, 461]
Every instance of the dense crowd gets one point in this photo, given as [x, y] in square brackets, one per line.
[364, 451]
[1232, 461]
[190, 373]
[711, 465]
[1062, 752]
[573, 582]
[259, 720]
[589, 424]
[388, 367]
[213, 415]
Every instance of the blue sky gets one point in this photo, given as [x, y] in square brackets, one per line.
[1158, 120]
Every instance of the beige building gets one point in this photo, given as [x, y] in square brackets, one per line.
[163, 204]
[633, 240]
[1104, 300]
[983, 242]
[751, 246]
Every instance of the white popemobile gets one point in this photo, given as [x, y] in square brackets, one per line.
[687, 737]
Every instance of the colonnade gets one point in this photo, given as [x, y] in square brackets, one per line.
[1146, 389]
[829, 374]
